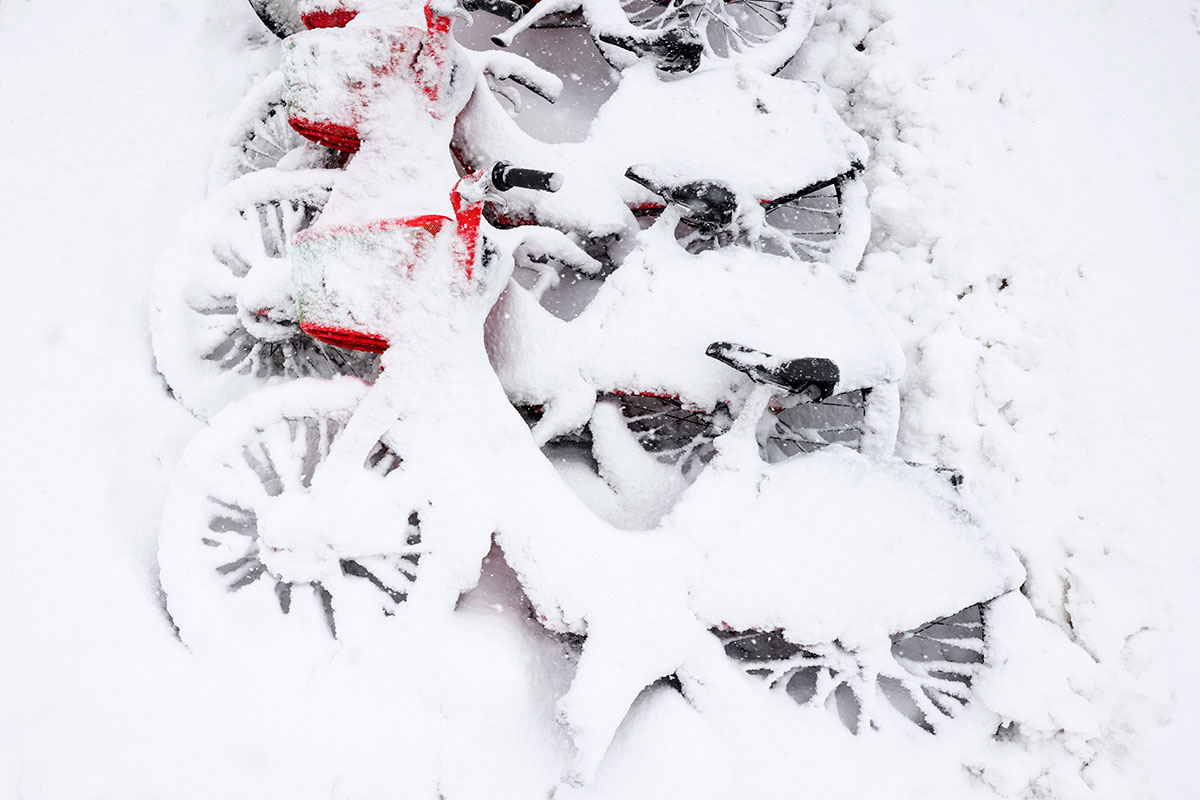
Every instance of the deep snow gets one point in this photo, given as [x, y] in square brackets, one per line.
[1065, 135]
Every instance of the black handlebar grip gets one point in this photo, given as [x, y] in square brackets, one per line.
[505, 9]
[505, 176]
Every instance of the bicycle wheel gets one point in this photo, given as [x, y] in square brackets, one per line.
[925, 674]
[625, 487]
[672, 432]
[762, 33]
[794, 428]
[233, 569]
[259, 137]
[683, 436]
[805, 224]
[281, 17]
[223, 319]
[820, 223]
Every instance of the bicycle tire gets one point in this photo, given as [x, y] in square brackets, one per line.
[683, 436]
[761, 33]
[226, 583]
[258, 137]
[925, 675]
[209, 344]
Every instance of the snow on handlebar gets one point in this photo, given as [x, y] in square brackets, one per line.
[505, 9]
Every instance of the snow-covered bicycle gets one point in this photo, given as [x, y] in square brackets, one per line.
[324, 512]
[329, 507]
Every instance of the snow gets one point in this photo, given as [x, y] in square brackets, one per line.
[1056, 201]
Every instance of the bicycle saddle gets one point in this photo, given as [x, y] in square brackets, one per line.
[811, 378]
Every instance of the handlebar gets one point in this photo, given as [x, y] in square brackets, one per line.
[505, 9]
[505, 176]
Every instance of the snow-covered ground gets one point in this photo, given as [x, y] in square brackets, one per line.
[1035, 158]
[1103, 182]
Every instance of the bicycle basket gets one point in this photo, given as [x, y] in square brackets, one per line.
[331, 75]
[350, 280]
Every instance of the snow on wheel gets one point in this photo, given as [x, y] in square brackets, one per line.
[223, 319]
[763, 33]
[258, 137]
[683, 436]
[791, 428]
[238, 563]
[924, 675]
